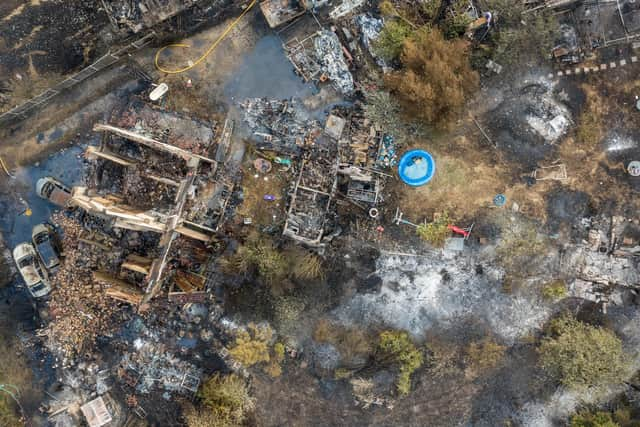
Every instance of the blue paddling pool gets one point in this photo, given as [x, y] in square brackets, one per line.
[416, 167]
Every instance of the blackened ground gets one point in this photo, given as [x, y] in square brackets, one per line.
[573, 95]
[565, 206]
[514, 137]
[55, 33]
[516, 382]
[23, 363]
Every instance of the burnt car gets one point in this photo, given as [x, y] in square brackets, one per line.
[54, 191]
[43, 238]
[32, 271]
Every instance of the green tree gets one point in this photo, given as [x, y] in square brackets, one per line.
[457, 20]
[226, 402]
[389, 43]
[520, 34]
[436, 78]
[581, 355]
[397, 348]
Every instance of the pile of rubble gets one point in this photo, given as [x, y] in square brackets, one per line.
[282, 125]
[79, 307]
[172, 128]
[330, 55]
[137, 15]
[370, 29]
[149, 366]
[320, 57]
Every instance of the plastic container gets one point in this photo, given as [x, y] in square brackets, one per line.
[416, 168]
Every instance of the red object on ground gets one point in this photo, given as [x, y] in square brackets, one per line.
[380, 229]
[458, 230]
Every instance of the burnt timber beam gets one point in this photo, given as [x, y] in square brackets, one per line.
[150, 142]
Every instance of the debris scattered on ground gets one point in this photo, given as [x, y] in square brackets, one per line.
[331, 57]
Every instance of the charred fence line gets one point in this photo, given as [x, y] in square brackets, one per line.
[23, 110]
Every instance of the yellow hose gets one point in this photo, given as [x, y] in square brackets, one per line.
[4, 167]
[208, 52]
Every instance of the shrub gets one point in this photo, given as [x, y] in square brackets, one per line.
[591, 126]
[581, 355]
[396, 347]
[555, 290]
[257, 252]
[273, 369]
[436, 78]
[443, 358]
[307, 266]
[593, 419]
[227, 402]
[436, 232]
[8, 413]
[520, 249]
[482, 356]
[353, 344]
[286, 310]
[252, 346]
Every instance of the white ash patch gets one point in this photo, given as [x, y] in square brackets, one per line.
[415, 297]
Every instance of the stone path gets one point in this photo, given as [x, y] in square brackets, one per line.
[594, 69]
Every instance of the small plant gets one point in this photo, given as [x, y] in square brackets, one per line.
[554, 291]
[396, 347]
[278, 352]
[435, 232]
[273, 369]
[430, 8]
